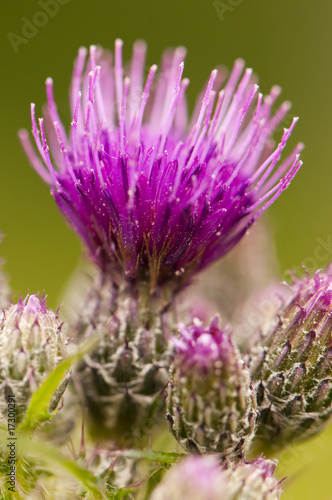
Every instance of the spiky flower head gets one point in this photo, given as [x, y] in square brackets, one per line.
[152, 195]
[211, 406]
[292, 365]
[253, 480]
[31, 345]
[198, 478]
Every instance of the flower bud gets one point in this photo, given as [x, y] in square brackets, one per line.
[211, 406]
[291, 366]
[200, 478]
[253, 480]
[123, 378]
[31, 346]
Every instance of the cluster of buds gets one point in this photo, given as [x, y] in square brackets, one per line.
[211, 404]
[32, 344]
[156, 200]
[201, 477]
[291, 366]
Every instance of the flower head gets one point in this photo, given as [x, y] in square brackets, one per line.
[292, 365]
[252, 480]
[195, 478]
[32, 344]
[211, 406]
[151, 195]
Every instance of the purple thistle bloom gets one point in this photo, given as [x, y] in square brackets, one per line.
[151, 195]
[211, 406]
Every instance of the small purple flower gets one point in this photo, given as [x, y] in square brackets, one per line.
[151, 195]
[211, 406]
[197, 478]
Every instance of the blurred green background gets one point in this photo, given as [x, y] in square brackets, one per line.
[286, 42]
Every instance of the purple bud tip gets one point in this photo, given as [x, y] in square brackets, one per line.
[32, 305]
[266, 467]
[315, 293]
[199, 347]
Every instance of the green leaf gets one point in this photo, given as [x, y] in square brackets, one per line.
[38, 410]
[121, 493]
[45, 452]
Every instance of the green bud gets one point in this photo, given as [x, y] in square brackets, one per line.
[32, 344]
[291, 366]
[123, 378]
[211, 406]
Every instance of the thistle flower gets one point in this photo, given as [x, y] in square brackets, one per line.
[291, 366]
[31, 346]
[197, 478]
[151, 196]
[211, 406]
